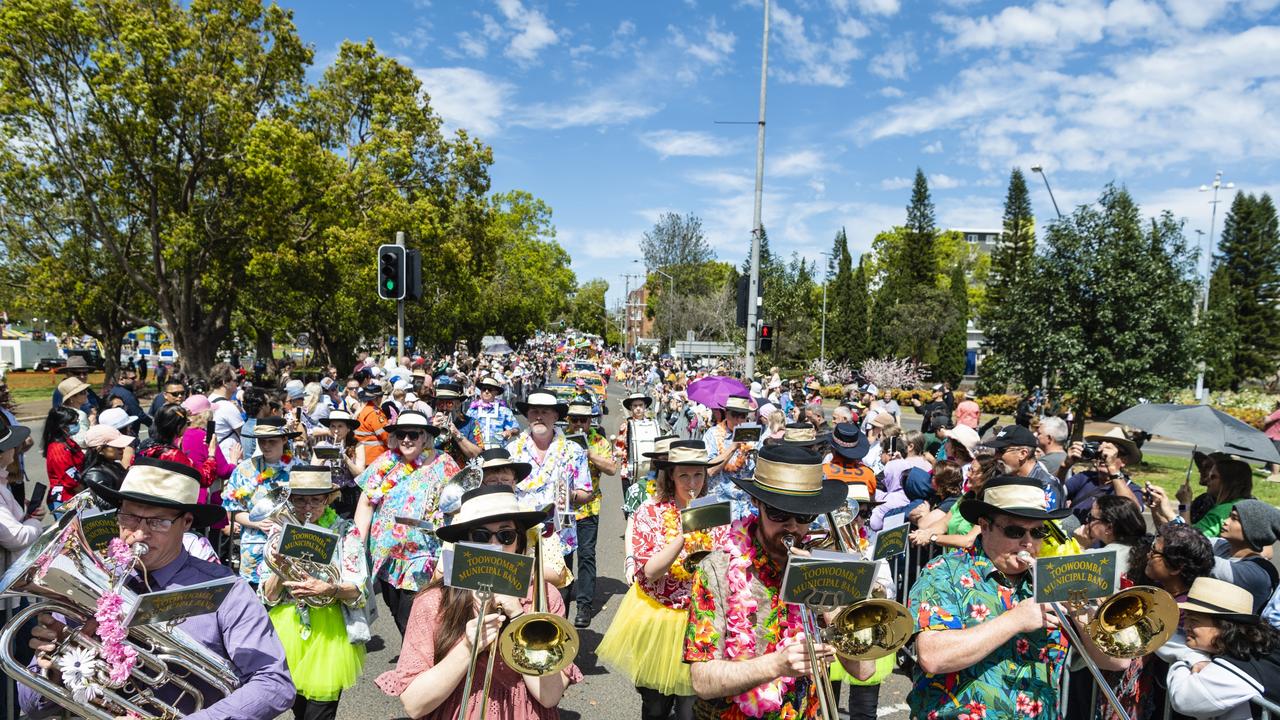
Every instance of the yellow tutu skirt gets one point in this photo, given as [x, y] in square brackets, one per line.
[324, 664]
[645, 643]
[884, 666]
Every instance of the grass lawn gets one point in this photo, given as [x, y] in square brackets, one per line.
[1169, 472]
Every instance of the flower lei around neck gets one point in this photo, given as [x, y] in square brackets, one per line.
[86, 672]
[264, 477]
[693, 542]
[739, 637]
[386, 470]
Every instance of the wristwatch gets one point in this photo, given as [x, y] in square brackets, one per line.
[933, 538]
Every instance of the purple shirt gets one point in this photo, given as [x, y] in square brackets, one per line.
[239, 631]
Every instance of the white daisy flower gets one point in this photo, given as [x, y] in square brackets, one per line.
[78, 666]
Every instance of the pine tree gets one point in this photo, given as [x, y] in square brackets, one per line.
[921, 258]
[1249, 252]
[1017, 244]
[1218, 334]
[839, 289]
[859, 310]
[953, 343]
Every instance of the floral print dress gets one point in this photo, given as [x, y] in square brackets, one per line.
[404, 555]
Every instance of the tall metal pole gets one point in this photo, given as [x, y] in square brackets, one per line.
[626, 315]
[1040, 171]
[1201, 395]
[757, 226]
[400, 309]
[826, 277]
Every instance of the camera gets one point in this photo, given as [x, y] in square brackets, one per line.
[1091, 450]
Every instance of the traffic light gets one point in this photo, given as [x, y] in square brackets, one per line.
[391, 272]
[765, 339]
[413, 275]
[744, 297]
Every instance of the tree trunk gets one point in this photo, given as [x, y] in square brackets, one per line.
[262, 345]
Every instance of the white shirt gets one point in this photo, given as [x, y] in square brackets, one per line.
[227, 421]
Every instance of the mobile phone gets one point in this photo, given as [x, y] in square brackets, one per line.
[208, 430]
[297, 414]
[37, 497]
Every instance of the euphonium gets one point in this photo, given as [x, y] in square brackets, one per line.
[541, 642]
[468, 478]
[272, 503]
[868, 629]
[61, 569]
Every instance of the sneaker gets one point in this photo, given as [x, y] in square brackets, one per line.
[584, 617]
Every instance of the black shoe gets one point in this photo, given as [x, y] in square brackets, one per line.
[584, 617]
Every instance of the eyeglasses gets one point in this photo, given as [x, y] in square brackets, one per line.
[1017, 532]
[780, 516]
[352, 388]
[156, 524]
[176, 393]
[506, 537]
[407, 434]
[1094, 519]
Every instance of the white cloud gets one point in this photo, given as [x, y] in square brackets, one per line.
[896, 61]
[879, 7]
[933, 148]
[686, 143]
[472, 46]
[937, 181]
[1059, 24]
[584, 111]
[466, 98]
[532, 30]
[724, 180]
[794, 164]
[817, 58]
[890, 91]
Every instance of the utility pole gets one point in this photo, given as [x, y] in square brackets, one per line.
[1201, 395]
[757, 226]
[400, 309]
[626, 315]
[826, 278]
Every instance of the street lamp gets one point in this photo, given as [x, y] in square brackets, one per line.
[1040, 171]
[1201, 395]
[670, 309]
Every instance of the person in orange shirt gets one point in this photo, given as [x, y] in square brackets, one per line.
[370, 434]
[848, 446]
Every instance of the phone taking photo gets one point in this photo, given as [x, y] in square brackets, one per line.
[38, 494]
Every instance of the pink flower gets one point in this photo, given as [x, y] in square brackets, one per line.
[1036, 707]
[1022, 703]
[979, 611]
[976, 709]
[1023, 646]
[966, 581]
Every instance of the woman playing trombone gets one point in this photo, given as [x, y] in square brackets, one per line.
[436, 657]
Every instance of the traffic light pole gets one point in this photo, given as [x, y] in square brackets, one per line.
[400, 312]
[757, 227]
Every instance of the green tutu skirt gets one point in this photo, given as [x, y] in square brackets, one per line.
[645, 644]
[324, 664]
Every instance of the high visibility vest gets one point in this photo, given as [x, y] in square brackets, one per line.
[850, 472]
[370, 435]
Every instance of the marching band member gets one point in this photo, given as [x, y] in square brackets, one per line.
[348, 464]
[268, 470]
[459, 433]
[324, 645]
[731, 461]
[746, 646]
[984, 641]
[152, 491]
[496, 421]
[434, 660]
[405, 481]
[599, 461]
[646, 640]
[637, 406]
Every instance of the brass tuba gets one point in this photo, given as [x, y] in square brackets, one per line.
[541, 642]
[272, 503]
[61, 569]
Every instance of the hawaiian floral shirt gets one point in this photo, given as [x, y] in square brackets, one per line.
[1018, 680]
[656, 524]
[599, 445]
[718, 441]
[404, 555]
[237, 496]
[704, 637]
[564, 460]
[492, 419]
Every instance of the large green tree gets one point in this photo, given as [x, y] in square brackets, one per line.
[847, 305]
[1017, 244]
[1249, 253]
[587, 310]
[954, 341]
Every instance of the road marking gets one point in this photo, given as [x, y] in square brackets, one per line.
[886, 710]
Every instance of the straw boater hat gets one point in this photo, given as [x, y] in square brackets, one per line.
[1219, 598]
[661, 446]
[790, 479]
[412, 420]
[341, 416]
[494, 458]
[542, 399]
[311, 480]
[687, 452]
[271, 427]
[447, 389]
[490, 382]
[580, 409]
[803, 434]
[738, 404]
[1129, 451]
[486, 504]
[1011, 495]
[165, 484]
[72, 386]
[636, 397]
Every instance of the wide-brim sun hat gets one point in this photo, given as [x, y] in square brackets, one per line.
[849, 442]
[687, 452]
[1011, 495]
[412, 420]
[271, 427]
[448, 390]
[490, 382]
[636, 397]
[100, 435]
[372, 391]
[72, 386]
[495, 458]
[1129, 451]
[487, 504]
[341, 416]
[803, 434]
[580, 410]
[311, 480]
[12, 436]
[118, 418]
[542, 399]
[164, 484]
[966, 436]
[661, 446]
[738, 404]
[1210, 596]
[75, 363]
[790, 479]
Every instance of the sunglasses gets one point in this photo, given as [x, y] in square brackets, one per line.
[505, 537]
[407, 434]
[1017, 532]
[780, 516]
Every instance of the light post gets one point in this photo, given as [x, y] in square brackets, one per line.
[1038, 169]
[1201, 395]
[670, 315]
[826, 277]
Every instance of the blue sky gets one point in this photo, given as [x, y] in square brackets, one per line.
[607, 110]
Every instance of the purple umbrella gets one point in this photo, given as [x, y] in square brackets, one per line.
[714, 390]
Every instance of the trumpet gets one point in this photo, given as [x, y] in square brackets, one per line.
[69, 578]
[272, 503]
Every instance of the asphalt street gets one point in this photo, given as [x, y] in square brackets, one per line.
[602, 695]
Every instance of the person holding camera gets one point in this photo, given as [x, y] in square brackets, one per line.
[1109, 455]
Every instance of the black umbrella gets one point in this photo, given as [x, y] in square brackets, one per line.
[1202, 426]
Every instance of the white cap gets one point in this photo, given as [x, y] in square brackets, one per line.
[401, 385]
[295, 389]
[117, 418]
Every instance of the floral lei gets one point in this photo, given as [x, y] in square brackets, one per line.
[87, 673]
[385, 469]
[740, 639]
[693, 542]
[244, 493]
